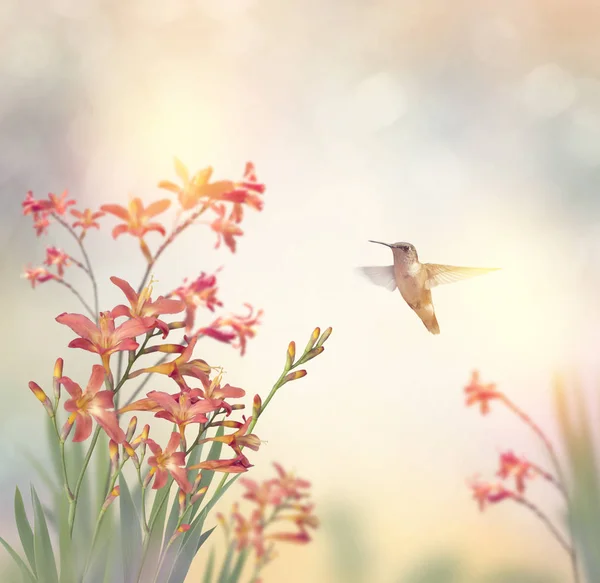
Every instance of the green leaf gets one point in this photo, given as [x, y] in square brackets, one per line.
[131, 534]
[239, 565]
[224, 574]
[102, 463]
[187, 552]
[159, 509]
[45, 564]
[24, 528]
[27, 576]
[65, 544]
[210, 567]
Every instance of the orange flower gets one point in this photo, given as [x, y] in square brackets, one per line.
[216, 394]
[142, 307]
[166, 462]
[289, 484]
[196, 187]
[182, 365]
[104, 339]
[57, 258]
[519, 468]
[238, 439]
[38, 275]
[136, 218]
[59, 204]
[86, 220]
[482, 394]
[91, 403]
[225, 229]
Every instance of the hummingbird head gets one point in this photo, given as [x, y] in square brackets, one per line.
[404, 252]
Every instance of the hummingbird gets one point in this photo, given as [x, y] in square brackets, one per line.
[414, 279]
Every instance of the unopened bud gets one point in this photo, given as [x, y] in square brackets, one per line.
[113, 450]
[42, 397]
[58, 373]
[311, 354]
[198, 494]
[298, 374]
[324, 336]
[291, 354]
[256, 406]
[130, 453]
[313, 338]
[182, 499]
[67, 427]
[131, 428]
[114, 493]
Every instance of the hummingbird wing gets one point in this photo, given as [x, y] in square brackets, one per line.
[382, 275]
[441, 274]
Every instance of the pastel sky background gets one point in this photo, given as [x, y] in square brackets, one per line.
[471, 129]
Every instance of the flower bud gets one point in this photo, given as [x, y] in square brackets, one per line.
[42, 397]
[114, 493]
[313, 338]
[324, 336]
[311, 354]
[131, 428]
[113, 450]
[291, 354]
[67, 427]
[298, 374]
[256, 406]
[58, 373]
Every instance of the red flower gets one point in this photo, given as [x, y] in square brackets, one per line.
[519, 468]
[143, 308]
[91, 403]
[226, 229]
[32, 206]
[167, 462]
[238, 439]
[201, 291]
[482, 394]
[38, 275]
[104, 339]
[57, 258]
[487, 493]
[136, 218]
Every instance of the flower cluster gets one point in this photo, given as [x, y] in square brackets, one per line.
[200, 408]
[277, 502]
[513, 467]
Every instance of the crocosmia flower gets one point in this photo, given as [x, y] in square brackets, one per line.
[91, 403]
[169, 461]
[136, 218]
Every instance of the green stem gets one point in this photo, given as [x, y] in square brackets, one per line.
[86, 461]
[88, 264]
[168, 241]
[78, 295]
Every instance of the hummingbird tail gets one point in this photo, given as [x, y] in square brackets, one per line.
[430, 322]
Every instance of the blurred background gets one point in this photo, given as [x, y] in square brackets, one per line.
[470, 129]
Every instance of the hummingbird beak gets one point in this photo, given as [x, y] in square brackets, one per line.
[380, 243]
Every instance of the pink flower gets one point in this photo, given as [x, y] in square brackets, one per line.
[225, 229]
[38, 275]
[104, 339]
[519, 468]
[57, 258]
[201, 291]
[142, 308]
[168, 462]
[91, 403]
[482, 394]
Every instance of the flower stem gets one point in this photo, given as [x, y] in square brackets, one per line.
[79, 296]
[88, 264]
[86, 461]
[561, 482]
[176, 231]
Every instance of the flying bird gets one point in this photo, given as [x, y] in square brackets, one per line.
[414, 279]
